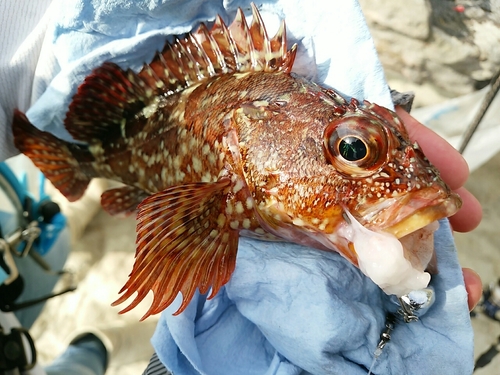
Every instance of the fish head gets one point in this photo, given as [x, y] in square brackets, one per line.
[390, 184]
[367, 180]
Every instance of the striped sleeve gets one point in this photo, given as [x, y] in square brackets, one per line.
[155, 367]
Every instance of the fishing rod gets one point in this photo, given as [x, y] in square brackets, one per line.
[487, 100]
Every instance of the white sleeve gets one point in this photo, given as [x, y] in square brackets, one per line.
[23, 24]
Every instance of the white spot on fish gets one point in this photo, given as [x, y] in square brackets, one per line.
[249, 203]
[241, 75]
[239, 208]
[246, 223]
[206, 149]
[179, 175]
[238, 186]
[151, 109]
[261, 103]
[221, 220]
[298, 222]
[197, 165]
[177, 162]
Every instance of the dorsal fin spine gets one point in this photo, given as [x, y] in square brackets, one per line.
[290, 58]
[186, 61]
[218, 53]
[179, 67]
[259, 36]
[246, 51]
[223, 33]
[201, 54]
[195, 57]
[168, 80]
[205, 37]
[280, 38]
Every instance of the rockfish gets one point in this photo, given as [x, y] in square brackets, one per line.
[217, 138]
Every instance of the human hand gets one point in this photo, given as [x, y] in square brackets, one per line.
[454, 171]
[453, 167]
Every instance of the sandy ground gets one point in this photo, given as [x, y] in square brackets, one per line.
[101, 258]
[480, 250]
[101, 261]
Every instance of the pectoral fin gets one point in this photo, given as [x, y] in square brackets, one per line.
[122, 201]
[184, 242]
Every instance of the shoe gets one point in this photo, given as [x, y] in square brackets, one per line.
[125, 343]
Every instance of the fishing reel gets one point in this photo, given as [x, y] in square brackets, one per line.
[13, 352]
[29, 228]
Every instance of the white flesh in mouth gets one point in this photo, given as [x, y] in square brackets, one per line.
[395, 265]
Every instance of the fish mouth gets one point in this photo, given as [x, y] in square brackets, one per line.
[425, 216]
[394, 246]
[404, 215]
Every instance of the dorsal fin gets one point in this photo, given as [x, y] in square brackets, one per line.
[104, 100]
[111, 96]
[203, 53]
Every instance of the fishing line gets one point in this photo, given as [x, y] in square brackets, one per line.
[411, 305]
[385, 337]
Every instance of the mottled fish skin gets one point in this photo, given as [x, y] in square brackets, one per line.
[216, 138]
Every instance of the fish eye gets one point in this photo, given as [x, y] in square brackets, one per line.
[356, 145]
[352, 148]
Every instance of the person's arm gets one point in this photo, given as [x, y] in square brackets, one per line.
[23, 25]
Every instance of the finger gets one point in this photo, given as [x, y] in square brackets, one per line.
[469, 216]
[452, 166]
[474, 287]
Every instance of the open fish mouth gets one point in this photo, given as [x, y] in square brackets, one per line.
[426, 215]
[401, 216]
[416, 231]
[399, 257]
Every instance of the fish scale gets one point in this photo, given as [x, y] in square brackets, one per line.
[217, 138]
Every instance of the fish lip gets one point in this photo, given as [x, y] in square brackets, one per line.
[413, 212]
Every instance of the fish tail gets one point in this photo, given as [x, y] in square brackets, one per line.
[57, 159]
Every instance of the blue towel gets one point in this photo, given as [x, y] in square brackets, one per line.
[287, 309]
[292, 310]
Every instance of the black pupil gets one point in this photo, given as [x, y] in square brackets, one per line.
[352, 148]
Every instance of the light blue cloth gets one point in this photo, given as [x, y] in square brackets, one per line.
[287, 309]
[291, 310]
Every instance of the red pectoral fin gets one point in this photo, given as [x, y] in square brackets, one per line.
[122, 201]
[184, 242]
